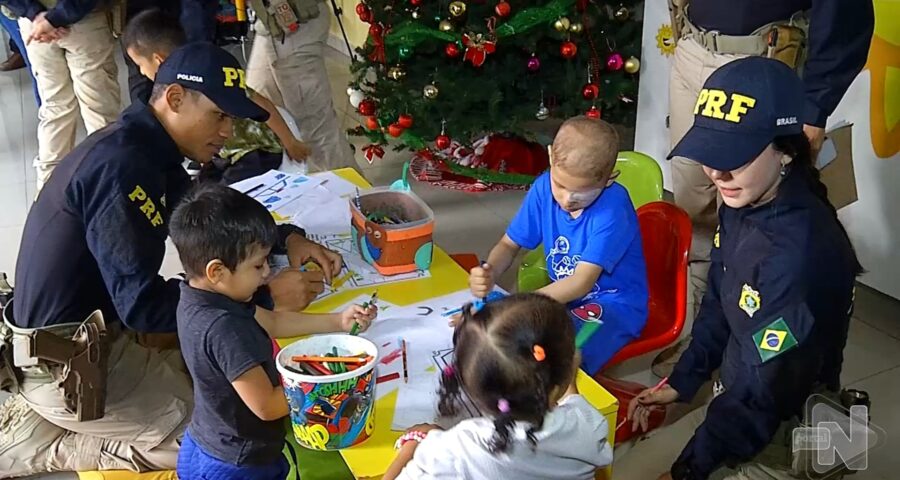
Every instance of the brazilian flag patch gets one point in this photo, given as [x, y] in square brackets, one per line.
[774, 339]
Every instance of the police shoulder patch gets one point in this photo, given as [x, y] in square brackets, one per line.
[774, 339]
[749, 302]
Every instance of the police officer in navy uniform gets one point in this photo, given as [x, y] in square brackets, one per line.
[94, 241]
[775, 317]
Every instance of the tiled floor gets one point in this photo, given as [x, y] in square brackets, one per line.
[471, 223]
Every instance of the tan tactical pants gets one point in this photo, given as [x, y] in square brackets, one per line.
[148, 406]
[655, 454]
[694, 191]
[290, 71]
[77, 72]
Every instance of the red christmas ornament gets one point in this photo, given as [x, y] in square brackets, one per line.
[395, 130]
[568, 50]
[452, 50]
[594, 112]
[615, 62]
[590, 91]
[405, 120]
[376, 30]
[478, 48]
[372, 123]
[503, 9]
[367, 107]
[415, 3]
[363, 11]
[442, 141]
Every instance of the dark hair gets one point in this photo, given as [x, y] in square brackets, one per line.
[494, 362]
[217, 222]
[797, 147]
[153, 31]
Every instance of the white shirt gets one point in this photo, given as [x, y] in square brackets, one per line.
[571, 444]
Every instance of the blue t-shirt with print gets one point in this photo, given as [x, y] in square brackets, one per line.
[605, 234]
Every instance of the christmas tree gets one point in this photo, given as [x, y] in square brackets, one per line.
[432, 70]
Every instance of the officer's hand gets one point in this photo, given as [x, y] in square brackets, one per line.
[481, 280]
[640, 406]
[297, 150]
[41, 30]
[293, 290]
[300, 250]
[816, 136]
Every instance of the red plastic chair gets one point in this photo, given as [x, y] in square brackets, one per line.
[666, 232]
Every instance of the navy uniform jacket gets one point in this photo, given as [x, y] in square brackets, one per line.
[774, 320]
[95, 236]
[197, 16]
[838, 43]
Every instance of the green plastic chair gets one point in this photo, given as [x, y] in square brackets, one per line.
[641, 177]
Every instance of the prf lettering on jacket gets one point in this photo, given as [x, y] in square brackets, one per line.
[148, 208]
[712, 101]
[232, 74]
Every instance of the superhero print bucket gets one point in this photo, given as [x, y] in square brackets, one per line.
[330, 412]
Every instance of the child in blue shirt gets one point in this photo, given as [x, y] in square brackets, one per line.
[591, 240]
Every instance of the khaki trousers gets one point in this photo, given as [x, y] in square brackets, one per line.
[77, 72]
[654, 455]
[694, 191]
[290, 71]
[148, 406]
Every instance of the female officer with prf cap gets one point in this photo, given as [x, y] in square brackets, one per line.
[774, 319]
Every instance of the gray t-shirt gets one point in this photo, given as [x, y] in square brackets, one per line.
[220, 341]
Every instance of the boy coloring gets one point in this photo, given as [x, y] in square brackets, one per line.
[237, 430]
[591, 238]
[151, 36]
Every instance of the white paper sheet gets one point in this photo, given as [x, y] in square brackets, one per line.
[275, 190]
[429, 348]
[336, 185]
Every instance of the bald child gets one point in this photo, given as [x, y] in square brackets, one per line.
[591, 240]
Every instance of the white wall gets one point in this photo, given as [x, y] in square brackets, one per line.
[873, 221]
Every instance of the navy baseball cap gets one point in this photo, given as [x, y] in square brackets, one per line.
[742, 107]
[208, 69]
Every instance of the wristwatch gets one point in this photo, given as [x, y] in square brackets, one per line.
[284, 231]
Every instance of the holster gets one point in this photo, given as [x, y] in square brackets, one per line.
[115, 17]
[82, 360]
[787, 43]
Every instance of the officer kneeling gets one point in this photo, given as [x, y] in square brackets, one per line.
[774, 319]
[88, 395]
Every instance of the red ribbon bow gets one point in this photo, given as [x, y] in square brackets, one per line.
[378, 52]
[372, 151]
[478, 48]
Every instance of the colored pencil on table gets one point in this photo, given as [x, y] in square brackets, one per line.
[355, 329]
[321, 359]
[405, 371]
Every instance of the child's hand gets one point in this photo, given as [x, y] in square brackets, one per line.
[423, 427]
[640, 406]
[357, 314]
[481, 280]
[297, 150]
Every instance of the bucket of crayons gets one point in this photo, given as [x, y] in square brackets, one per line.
[330, 387]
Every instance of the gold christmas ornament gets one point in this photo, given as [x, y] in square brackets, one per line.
[562, 24]
[430, 91]
[576, 27]
[396, 73]
[416, 14]
[457, 8]
[632, 65]
[445, 26]
[622, 13]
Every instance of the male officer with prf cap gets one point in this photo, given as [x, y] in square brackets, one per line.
[88, 395]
